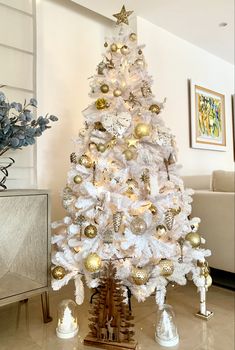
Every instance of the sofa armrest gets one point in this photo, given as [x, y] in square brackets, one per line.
[216, 210]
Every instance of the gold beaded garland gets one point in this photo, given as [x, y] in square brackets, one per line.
[90, 231]
[77, 179]
[194, 239]
[85, 161]
[142, 130]
[104, 88]
[58, 272]
[155, 109]
[166, 267]
[117, 92]
[133, 37]
[113, 47]
[101, 147]
[92, 262]
[139, 275]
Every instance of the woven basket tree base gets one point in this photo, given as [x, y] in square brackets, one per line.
[90, 341]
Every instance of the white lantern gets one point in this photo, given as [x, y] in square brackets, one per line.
[67, 326]
[166, 330]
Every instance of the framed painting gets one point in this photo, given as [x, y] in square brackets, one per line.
[208, 128]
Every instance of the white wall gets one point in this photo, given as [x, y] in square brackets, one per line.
[17, 73]
[70, 43]
[171, 62]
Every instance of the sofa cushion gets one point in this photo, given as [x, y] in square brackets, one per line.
[197, 182]
[223, 181]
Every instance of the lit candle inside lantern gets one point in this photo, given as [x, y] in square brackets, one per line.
[67, 324]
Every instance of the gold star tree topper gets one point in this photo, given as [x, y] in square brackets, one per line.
[122, 17]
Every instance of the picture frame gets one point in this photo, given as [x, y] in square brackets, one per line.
[207, 118]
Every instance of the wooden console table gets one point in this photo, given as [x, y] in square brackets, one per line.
[25, 247]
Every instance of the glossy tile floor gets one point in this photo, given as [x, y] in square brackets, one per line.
[195, 334]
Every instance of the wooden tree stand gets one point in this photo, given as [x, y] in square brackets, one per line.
[110, 326]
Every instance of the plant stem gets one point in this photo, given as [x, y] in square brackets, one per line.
[4, 150]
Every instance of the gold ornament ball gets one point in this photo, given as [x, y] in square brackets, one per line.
[101, 147]
[85, 161]
[92, 146]
[138, 226]
[139, 62]
[92, 262]
[67, 190]
[117, 92]
[153, 209]
[101, 103]
[133, 37]
[161, 230]
[77, 179]
[129, 155]
[58, 273]
[139, 275]
[142, 130]
[208, 281]
[90, 231]
[155, 109]
[194, 239]
[125, 50]
[113, 47]
[104, 88]
[166, 267]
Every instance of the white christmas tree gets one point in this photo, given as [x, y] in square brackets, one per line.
[125, 200]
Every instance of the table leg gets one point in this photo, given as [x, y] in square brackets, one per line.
[46, 307]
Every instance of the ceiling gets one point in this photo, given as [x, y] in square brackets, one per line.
[196, 21]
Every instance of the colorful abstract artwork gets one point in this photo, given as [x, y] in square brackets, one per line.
[207, 119]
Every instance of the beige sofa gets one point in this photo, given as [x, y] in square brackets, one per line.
[213, 202]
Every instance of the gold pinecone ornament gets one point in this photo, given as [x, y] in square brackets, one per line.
[73, 158]
[117, 220]
[169, 219]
